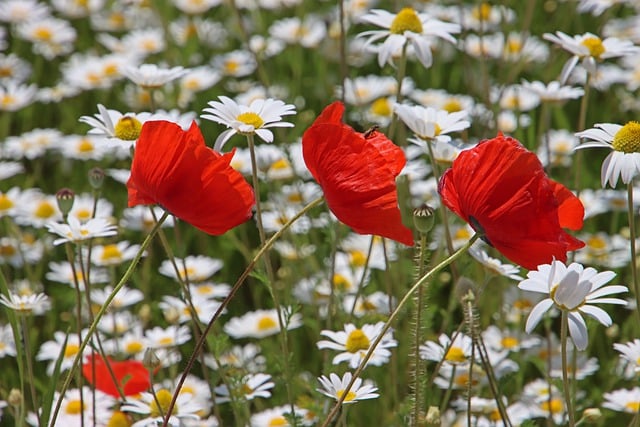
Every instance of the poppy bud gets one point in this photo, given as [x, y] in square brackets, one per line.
[96, 178]
[423, 218]
[15, 398]
[65, 198]
[150, 360]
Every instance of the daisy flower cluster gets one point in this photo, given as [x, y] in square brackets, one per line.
[298, 213]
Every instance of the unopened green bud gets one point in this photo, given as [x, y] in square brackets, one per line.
[150, 360]
[65, 198]
[592, 415]
[433, 416]
[96, 178]
[423, 218]
[15, 398]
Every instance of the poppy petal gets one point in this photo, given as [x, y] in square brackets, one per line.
[131, 375]
[357, 174]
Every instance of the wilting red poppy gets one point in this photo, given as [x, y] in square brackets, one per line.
[500, 188]
[176, 170]
[132, 377]
[357, 173]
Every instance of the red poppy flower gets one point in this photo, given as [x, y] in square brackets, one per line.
[357, 173]
[177, 170]
[500, 188]
[132, 377]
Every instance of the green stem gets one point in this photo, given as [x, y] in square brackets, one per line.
[632, 243]
[200, 343]
[94, 325]
[421, 281]
[565, 368]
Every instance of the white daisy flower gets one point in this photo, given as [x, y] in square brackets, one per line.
[630, 352]
[155, 406]
[114, 124]
[26, 304]
[15, 96]
[276, 417]
[249, 387]
[246, 357]
[65, 345]
[75, 231]
[430, 124]
[574, 289]
[7, 341]
[354, 343]
[308, 33]
[83, 407]
[62, 272]
[590, 49]
[113, 253]
[16, 11]
[364, 90]
[125, 297]
[195, 7]
[452, 352]
[150, 76]
[624, 141]
[247, 120]
[172, 336]
[237, 63]
[336, 387]
[261, 323]
[623, 400]
[406, 28]
[193, 268]
[494, 265]
[9, 169]
[553, 91]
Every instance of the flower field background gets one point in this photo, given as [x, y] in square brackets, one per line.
[279, 212]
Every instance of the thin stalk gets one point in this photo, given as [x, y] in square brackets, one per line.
[417, 367]
[200, 343]
[565, 377]
[632, 243]
[424, 279]
[402, 69]
[29, 363]
[94, 325]
[582, 119]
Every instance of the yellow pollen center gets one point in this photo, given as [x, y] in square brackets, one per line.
[594, 45]
[278, 420]
[356, 341]
[110, 252]
[452, 106]
[128, 128]
[348, 398]
[514, 46]
[231, 66]
[246, 389]
[6, 71]
[188, 272]
[160, 405]
[632, 406]
[596, 243]
[7, 100]
[437, 129]
[267, 323]
[406, 20]
[43, 34]
[5, 203]
[251, 119]
[71, 350]
[44, 210]
[119, 419]
[381, 107]
[555, 406]
[149, 45]
[482, 12]
[7, 250]
[340, 282]
[357, 258]
[280, 164]
[455, 355]
[522, 304]
[495, 415]
[133, 347]
[295, 198]
[627, 139]
[509, 342]
[83, 214]
[85, 146]
[165, 341]
[74, 407]
[462, 233]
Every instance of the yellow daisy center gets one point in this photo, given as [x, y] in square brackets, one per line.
[44, 210]
[250, 118]
[280, 164]
[594, 45]
[5, 203]
[596, 243]
[632, 406]
[348, 398]
[522, 304]
[231, 67]
[85, 146]
[367, 305]
[406, 20]
[160, 405]
[555, 406]
[356, 341]
[509, 342]
[482, 12]
[455, 355]
[165, 341]
[381, 107]
[43, 34]
[119, 419]
[627, 139]
[133, 347]
[340, 282]
[71, 350]
[266, 323]
[436, 129]
[83, 214]
[74, 407]
[7, 250]
[462, 233]
[513, 46]
[357, 258]
[110, 252]
[7, 100]
[278, 420]
[6, 71]
[452, 106]
[128, 128]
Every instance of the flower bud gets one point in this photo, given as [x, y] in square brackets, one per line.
[15, 397]
[423, 218]
[433, 416]
[96, 178]
[150, 360]
[592, 415]
[65, 198]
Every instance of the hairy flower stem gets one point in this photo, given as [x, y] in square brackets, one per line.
[284, 343]
[417, 335]
[94, 325]
[632, 244]
[421, 281]
[565, 367]
[200, 343]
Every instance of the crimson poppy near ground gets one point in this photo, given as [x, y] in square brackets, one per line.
[357, 174]
[132, 377]
[500, 188]
[175, 169]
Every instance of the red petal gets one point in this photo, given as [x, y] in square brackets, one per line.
[357, 175]
[132, 377]
[196, 184]
[570, 208]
